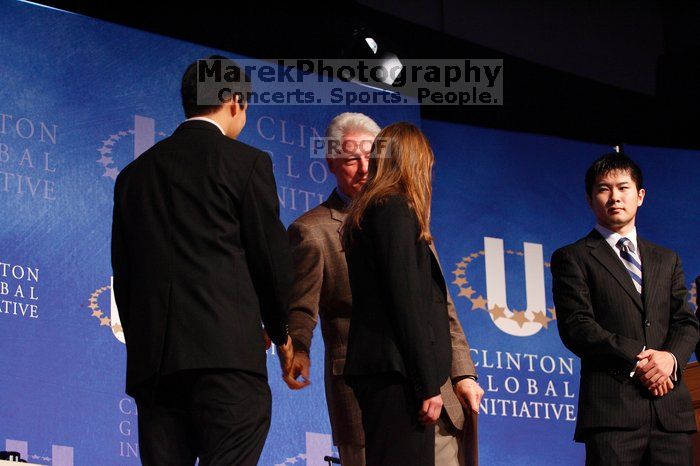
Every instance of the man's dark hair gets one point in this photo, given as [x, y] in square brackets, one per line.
[612, 162]
[204, 96]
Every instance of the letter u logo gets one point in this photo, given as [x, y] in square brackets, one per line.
[513, 322]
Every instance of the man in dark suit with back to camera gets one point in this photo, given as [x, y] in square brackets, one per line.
[622, 308]
[200, 257]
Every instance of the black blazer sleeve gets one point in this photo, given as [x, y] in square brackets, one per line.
[267, 249]
[120, 266]
[397, 246]
[683, 328]
[578, 328]
[697, 313]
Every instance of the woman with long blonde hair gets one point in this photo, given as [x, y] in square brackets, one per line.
[399, 352]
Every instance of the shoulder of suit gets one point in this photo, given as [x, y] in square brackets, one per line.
[125, 172]
[221, 143]
[574, 248]
[320, 214]
[655, 247]
[393, 203]
[583, 241]
[239, 157]
[393, 199]
[234, 146]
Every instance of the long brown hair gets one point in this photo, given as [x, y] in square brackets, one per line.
[400, 163]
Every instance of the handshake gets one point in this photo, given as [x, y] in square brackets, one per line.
[654, 369]
[293, 364]
[296, 364]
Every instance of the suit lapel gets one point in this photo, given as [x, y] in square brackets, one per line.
[650, 271]
[337, 209]
[604, 254]
[437, 268]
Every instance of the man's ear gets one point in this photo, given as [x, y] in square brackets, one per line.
[640, 197]
[237, 104]
[233, 107]
[228, 108]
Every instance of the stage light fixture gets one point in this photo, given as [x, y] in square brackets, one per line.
[375, 50]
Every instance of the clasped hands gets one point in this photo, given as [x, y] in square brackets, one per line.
[298, 365]
[293, 363]
[654, 369]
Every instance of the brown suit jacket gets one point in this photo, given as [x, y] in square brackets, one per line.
[322, 287]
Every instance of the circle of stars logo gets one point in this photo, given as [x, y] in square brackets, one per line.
[98, 313]
[542, 317]
[111, 170]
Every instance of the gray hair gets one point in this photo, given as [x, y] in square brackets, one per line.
[349, 122]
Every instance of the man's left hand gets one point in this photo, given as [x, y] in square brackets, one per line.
[469, 394]
[657, 370]
[286, 356]
[301, 364]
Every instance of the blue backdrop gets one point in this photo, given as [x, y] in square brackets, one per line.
[81, 98]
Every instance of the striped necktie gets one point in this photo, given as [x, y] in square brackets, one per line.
[631, 261]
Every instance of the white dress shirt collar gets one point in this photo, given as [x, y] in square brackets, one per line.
[612, 238]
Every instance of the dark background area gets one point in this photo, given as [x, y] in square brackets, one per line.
[608, 72]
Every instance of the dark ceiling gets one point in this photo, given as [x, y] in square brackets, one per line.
[607, 72]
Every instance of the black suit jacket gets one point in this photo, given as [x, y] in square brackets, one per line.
[697, 313]
[603, 320]
[198, 254]
[399, 307]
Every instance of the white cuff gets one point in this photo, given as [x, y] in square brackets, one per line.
[674, 374]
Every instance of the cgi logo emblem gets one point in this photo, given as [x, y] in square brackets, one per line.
[144, 134]
[60, 455]
[536, 315]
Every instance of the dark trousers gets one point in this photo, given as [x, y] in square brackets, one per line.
[220, 416]
[393, 434]
[650, 445]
